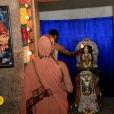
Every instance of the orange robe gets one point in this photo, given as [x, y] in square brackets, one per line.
[55, 103]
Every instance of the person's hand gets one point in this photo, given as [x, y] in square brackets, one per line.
[3, 43]
[79, 51]
[3, 47]
[4, 60]
[4, 35]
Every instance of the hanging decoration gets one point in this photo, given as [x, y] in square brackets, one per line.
[24, 31]
[22, 2]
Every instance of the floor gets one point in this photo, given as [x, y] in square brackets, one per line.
[108, 106]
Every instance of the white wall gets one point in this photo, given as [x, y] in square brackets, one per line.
[77, 13]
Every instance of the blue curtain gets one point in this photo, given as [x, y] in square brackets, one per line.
[99, 30]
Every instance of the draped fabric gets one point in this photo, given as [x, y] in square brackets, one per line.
[100, 31]
[43, 91]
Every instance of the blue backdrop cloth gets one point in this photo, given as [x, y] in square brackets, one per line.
[99, 30]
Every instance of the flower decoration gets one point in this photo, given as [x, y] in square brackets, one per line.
[23, 21]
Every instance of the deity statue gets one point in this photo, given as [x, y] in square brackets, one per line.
[88, 98]
[86, 58]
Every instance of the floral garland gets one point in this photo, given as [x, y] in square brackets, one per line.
[24, 32]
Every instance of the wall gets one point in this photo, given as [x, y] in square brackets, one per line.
[11, 78]
[77, 13]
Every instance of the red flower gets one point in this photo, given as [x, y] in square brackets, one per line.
[22, 1]
[24, 34]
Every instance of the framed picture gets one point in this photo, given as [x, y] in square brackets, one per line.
[6, 54]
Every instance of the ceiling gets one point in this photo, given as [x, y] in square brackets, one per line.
[52, 5]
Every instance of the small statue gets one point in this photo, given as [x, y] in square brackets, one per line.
[86, 58]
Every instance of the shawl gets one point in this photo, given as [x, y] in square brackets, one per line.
[43, 92]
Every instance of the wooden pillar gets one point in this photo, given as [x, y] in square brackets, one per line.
[36, 22]
[113, 15]
[36, 25]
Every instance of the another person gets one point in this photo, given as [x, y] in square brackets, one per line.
[60, 48]
[46, 82]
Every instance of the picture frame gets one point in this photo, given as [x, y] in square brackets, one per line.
[6, 53]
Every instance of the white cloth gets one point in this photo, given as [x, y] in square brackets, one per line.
[55, 54]
[88, 99]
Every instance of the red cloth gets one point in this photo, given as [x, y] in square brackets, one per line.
[24, 34]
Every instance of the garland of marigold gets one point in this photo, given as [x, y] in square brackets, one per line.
[24, 32]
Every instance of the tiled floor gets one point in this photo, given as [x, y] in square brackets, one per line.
[108, 106]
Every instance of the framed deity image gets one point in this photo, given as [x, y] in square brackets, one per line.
[6, 53]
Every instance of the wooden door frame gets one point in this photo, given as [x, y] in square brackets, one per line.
[36, 22]
[35, 25]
